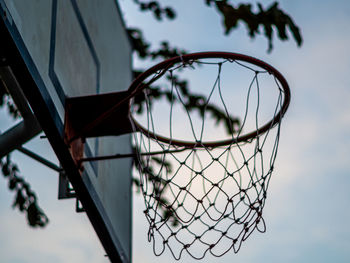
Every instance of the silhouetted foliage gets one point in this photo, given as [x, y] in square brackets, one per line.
[160, 186]
[25, 200]
[158, 11]
[268, 19]
[143, 48]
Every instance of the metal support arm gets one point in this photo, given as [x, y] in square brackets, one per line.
[16, 136]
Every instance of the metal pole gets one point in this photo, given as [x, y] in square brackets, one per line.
[40, 159]
[25, 130]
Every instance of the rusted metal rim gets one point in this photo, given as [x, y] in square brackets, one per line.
[138, 85]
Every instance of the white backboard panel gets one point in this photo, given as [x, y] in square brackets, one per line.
[76, 48]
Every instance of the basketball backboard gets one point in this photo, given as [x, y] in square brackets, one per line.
[64, 49]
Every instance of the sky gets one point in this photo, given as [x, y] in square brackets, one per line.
[306, 212]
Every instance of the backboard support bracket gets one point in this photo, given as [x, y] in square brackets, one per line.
[65, 190]
[95, 116]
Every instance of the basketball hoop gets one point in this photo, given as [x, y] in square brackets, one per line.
[204, 172]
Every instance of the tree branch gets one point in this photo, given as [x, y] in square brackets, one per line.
[271, 18]
[25, 200]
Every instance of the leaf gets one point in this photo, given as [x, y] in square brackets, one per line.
[12, 183]
[230, 15]
[137, 183]
[35, 216]
[14, 168]
[139, 44]
[5, 169]
[158, 13]
[170, 13]
[19, 201]
[208, 2]
[163, 162]
[169, 214]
